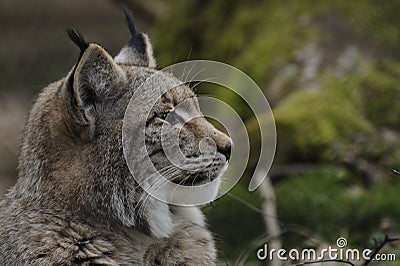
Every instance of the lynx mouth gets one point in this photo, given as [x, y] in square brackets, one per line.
[194, 180]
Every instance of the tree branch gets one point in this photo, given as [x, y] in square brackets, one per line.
[378, 248]
[385, 241]
[270, 217]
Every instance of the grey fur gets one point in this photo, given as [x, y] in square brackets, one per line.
[75, 201]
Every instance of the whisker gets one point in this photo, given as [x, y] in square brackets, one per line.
[197, 74]
[143, 198]
[180, 183]
[200, 82]
[188, 74]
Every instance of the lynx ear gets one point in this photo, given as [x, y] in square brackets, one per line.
[138, 51]
[95, 75]
[92, 80]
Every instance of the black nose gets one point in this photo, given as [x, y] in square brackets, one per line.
[226, 150]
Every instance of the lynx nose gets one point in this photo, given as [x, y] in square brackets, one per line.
[226, 150]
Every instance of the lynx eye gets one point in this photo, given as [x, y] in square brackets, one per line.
[163, 116]
[170, 117]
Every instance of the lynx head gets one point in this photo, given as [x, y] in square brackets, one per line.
[72, 153]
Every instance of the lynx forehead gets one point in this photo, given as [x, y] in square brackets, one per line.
[76, 201]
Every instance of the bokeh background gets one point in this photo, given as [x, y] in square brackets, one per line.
[330, 70]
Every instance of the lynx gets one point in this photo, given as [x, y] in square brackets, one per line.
[75, 200]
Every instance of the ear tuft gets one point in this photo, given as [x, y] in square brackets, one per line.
[78, 39]
[138, 51]
[130, 20]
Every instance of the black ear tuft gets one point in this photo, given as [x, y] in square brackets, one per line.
[138, 51]
[130, 20]
[78, 39]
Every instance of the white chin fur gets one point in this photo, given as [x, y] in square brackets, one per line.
[197, 195]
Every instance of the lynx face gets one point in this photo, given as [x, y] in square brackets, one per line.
[196, 150]
[181, 144]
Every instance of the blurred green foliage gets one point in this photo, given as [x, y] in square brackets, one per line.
[336, 205]
[380, 94]
[248, 224]
[309, 121]
[330, 71]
